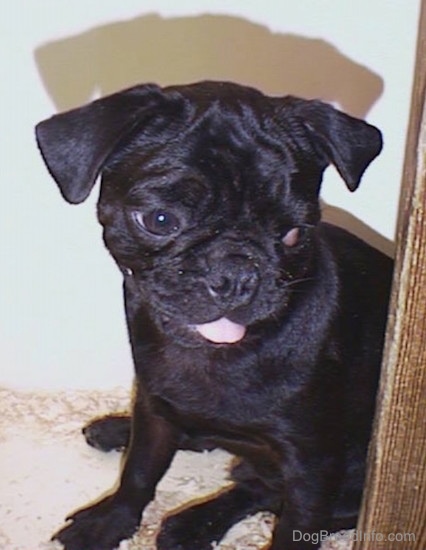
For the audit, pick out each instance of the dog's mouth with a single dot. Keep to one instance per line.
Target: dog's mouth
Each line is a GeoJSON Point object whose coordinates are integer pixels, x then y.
{"type": "Point", "coordinates": [221, 331]}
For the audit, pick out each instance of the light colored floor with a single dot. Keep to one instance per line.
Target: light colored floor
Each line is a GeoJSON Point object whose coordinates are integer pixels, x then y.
{"type": "Point", "coordinates": [47, 470]}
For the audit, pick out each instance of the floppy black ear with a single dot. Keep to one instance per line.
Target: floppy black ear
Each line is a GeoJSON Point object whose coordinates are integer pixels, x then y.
{"type": "Point", "coordinates": [75, 145]}
{"type": "Point", "coordinates": [350, 144]}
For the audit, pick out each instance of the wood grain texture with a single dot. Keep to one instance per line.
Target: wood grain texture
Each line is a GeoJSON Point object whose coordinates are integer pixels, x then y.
{"type": "Point", "coordinates": [394, 503]}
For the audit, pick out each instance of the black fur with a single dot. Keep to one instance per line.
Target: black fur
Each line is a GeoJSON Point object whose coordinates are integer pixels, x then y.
{"type": "Point", "coordinates": [209, 203]}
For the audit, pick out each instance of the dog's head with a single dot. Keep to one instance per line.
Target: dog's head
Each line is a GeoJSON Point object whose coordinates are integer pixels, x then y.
{"type": "Point", "coordinates": [209, 195]}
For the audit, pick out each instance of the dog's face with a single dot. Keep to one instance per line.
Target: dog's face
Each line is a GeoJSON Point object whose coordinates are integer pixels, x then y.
{"type": "Point", "coordinates": [209, 196]}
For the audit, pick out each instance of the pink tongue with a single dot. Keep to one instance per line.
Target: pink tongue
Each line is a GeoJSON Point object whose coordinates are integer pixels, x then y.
{"type": "Point", "coordinates": [222, 331]}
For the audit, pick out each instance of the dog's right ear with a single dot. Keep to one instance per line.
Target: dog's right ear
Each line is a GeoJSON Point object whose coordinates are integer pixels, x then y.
{"type": "Point", "coordinates": [76, 145]}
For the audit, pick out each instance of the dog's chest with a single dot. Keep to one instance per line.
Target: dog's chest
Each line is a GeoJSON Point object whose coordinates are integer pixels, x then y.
{"type": "Point", "coordinates": [212, 391]}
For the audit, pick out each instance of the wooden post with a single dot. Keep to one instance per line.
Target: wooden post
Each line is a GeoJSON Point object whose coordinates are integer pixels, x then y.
{"type": "Point", "coordinates": [394, 504]}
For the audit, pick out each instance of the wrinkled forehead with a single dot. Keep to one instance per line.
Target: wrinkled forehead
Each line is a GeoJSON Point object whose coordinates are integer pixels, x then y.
{"type": "Point", "coordinates": [216, 139]}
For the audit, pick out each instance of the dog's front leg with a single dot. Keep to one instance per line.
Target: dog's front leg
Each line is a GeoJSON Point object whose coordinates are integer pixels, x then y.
{"type": "Point", "coordinates": [103, 525]}
{"type": "Point", "coordinates": [306, 512]}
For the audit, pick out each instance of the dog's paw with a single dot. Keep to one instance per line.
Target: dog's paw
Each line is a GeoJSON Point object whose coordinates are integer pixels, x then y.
{"type": "Point", "coordinates": [109, 433]}
{"type": "Point", "coordinates": [190, 530]}
{"type": "Point", "coordinates": [99, 527]}
{"type": "Point", "coordinates": [176, 534]}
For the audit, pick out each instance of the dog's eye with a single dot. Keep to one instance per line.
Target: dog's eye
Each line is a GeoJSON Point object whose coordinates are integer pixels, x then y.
{"type": "Point", "coordinates": [158, 222]}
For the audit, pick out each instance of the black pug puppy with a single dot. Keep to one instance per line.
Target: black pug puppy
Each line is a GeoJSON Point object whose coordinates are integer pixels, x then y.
{"type": "Point", "coordinates": [253, 326]}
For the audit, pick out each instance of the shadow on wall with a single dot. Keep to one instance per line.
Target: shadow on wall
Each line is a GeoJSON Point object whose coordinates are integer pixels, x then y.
{"type": "Point", "coordinates": [187, 49]}
{"type": "Point", "coordinates": [181, 50]}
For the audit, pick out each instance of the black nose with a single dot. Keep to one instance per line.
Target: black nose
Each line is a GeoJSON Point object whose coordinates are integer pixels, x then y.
{"type": "Point", "coordinates": [233, 278]}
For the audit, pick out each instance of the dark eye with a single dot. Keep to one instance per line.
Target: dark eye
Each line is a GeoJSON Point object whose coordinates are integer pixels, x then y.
{"type": "Point", "coordinates": [158, 222]}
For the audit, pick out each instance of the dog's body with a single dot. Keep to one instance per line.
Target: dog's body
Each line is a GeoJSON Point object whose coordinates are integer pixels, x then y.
{"type": "Point", "coordinates": [254, 327]}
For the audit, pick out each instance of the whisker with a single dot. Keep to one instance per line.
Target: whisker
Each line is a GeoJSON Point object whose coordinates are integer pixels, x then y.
{"type": "Point", "coordinates": [297, 281]}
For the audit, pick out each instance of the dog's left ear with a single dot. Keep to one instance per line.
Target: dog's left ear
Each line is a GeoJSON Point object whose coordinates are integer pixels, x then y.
{"type": "Point", "coordinates": [350, 144]}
